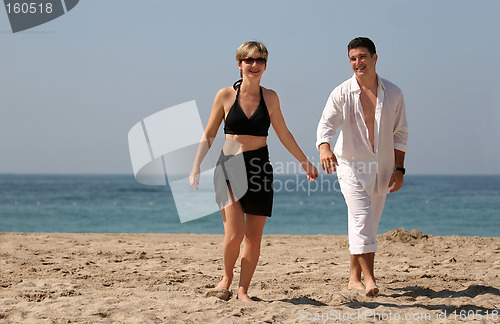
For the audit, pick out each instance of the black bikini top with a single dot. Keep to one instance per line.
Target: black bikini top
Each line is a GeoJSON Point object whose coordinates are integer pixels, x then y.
{"type": "Point", "coordinates": [238, 123]}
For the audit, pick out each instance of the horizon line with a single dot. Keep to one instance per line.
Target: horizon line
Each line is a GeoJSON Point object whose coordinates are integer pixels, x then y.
{"type": "Point", "coordinates": [299, 173]}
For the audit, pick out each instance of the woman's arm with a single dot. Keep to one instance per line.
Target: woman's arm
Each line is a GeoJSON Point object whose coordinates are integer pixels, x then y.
{"type": "Point", "coordinates": [286, 137]}
{"type": "Point", "coordinates": [214, 121]}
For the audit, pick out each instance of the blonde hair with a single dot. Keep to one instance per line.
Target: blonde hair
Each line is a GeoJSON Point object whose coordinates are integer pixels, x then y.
{"type": "Point", "coordinates": [248, 48]}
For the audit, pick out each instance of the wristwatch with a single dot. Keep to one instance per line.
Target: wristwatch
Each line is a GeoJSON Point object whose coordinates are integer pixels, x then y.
{"type": "Point", "coordinates": [403, 170]}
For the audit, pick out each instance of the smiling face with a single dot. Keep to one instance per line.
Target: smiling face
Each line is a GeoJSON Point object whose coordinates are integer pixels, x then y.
{"type": "Point", "coordinates": [251, 50]}
{"type": "Point", "coordinates": [253, 65]}
{"type": "Point", "coordinates": [362, 62]}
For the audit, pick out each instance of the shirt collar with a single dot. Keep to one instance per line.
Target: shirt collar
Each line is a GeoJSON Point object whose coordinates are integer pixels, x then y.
{"type": "Point", "coordinates": [355, 85]}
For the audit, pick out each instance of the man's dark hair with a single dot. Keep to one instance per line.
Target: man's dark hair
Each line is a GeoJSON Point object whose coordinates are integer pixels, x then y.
{"type": "Point", "coordinates": [362, 42]}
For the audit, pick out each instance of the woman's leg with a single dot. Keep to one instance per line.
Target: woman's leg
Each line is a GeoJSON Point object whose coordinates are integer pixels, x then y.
{"type": "Point", "coordinates": [234, 231]}
{"type": "Point", "coordinates": [251, 252]}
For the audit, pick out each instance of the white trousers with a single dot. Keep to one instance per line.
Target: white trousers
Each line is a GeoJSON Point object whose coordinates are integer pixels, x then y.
{"type": "Point", "coordinates": [363, 213]}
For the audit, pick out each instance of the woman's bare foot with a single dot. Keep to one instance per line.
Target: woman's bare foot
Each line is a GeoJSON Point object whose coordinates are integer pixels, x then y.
{"type": "Point", "coordinates": [243, 296]}
{"type": "Point", "coordinates": [223, 294]}
{"type": "Point", "coordinates": [221, 291]}
{"type": "Point", "coordinates": [225, 283]}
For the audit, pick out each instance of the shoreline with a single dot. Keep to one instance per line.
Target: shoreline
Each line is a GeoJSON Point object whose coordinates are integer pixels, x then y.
{"type": "Point", "coordinates": [156, 278]}
{"type": "Point", "coordinates": [222, 235]}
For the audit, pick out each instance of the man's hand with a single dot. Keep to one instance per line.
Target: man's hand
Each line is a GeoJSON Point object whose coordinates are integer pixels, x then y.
{"type": "Point", "coordinates": [328, 159]}
{"type": "Point", "coordinates": [396, 181]}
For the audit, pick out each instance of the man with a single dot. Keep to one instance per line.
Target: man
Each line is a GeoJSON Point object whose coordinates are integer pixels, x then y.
{"type": "Point", "coordinates": [368, 155]}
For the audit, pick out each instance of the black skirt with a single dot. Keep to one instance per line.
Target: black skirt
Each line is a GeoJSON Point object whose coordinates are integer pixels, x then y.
{"type": "Point", "coordinates": [248, 177]}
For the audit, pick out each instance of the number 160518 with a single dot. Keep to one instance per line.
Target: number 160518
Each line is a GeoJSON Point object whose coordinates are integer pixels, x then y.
{"type": "Point", "coordinates": [29, 8]}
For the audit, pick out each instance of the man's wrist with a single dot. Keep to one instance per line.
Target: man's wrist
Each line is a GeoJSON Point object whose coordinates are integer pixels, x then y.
{"type": "Point", "coordinates": [324, 146]}
{"type": "Point", "coordinates": [402, 170]}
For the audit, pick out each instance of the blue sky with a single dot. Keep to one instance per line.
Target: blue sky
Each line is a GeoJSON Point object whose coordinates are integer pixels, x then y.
{"type": "Point", "coordinates": [71, 89]}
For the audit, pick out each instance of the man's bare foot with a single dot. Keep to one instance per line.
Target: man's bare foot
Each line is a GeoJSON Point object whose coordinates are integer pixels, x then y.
{"type": "Point", "coordinates": [356, 285]}
{"type": "Point", "coordinates": [371, 291]}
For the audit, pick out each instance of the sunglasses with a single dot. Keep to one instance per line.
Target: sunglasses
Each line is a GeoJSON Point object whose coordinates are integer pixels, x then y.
{"type": "Point", "coordinates": [250, 61]}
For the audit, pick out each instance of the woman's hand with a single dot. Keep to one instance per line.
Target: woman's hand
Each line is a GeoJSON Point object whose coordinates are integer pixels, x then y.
{"type": "Point", "coordinates": [194, 177]}
{"type": "Point", "coordinates": [311, 171]}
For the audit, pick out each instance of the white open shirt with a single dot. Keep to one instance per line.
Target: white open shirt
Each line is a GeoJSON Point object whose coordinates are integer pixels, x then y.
{"type": "Point", "coordinates": [372, 168]}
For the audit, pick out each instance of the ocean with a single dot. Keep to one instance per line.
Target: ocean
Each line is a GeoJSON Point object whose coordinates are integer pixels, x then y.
{"type": "Point", "coordinates": [436, 205]}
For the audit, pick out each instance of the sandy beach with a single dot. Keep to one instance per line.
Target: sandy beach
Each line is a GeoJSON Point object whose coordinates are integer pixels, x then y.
{"type": "Point", "coordinates": [162, 278]}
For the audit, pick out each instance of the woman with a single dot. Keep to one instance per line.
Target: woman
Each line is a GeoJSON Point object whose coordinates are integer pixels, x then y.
{"type": "Point", "coordinates": [247, 110]}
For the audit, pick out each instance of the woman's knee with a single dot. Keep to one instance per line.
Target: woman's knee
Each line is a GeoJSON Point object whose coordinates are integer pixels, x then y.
{"type": "Point", "coordinates": [234, 238]}
{"type": "Point", "coordinates": [253, 239]}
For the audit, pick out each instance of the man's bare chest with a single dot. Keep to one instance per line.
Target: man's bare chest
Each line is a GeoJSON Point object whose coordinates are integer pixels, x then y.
{"type": "Point", "coordinates": [368, 102]}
